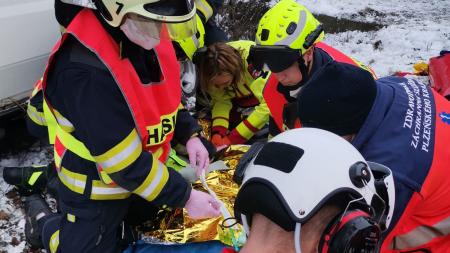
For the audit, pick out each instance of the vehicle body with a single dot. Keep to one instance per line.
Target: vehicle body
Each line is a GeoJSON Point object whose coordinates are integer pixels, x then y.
{"type": "Point", "coordinates": [29, 31]}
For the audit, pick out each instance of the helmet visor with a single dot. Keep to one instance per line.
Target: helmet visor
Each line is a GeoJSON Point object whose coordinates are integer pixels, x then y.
{"type": "Point", "coordinates": [277, 58]}
{"type": "Point", "coordinates": [170, 8]}
{"type": "Point", "coordinates": [161, 30]}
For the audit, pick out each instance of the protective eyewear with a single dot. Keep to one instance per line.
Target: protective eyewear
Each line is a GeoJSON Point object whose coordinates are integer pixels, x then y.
{"type": "Point", "coordinates": [274, 58]}
{"type": "Point", "coordinates": [162, 30]}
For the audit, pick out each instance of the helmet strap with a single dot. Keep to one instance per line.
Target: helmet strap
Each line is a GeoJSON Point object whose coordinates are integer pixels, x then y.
{"type": "Point", "coordinates": [297, 238]}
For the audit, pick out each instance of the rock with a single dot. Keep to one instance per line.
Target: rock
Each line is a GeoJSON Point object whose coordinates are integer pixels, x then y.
{"type": "Point", "coordinates": [4, 215]}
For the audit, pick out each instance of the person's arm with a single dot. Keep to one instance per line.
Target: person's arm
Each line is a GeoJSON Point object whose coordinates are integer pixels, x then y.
{"type": "Point", "coordinates": [185, 127]}
{"type": "Point", "coordinates": [256, 120]}
{"type": "Point", "coordinates": [35, 120]}
{"type": "Point", "coordinates": [103, 122]}
{"type": "Point", "coordinates": [221, 107]}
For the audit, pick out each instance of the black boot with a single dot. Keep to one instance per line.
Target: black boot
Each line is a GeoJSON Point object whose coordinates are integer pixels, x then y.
{"type": "Point", "coordinates": [36, 209]}
{"type": "Point", "coordinates": [28, 180]}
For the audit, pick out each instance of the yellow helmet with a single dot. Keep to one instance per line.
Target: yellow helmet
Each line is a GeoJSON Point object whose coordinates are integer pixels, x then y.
{"type": "Point", "coordinates": [196, 41]}
{"type": "Point", "coordinates": [289, 23]}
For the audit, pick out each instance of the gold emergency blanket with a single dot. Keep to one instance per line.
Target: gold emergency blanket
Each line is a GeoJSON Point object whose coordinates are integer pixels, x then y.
{"type": "Point", "coordinates": [176, 226]}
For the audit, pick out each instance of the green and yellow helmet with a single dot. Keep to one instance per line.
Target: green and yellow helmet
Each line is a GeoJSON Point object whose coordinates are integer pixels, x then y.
{"type": "Point", "coordinates": [289, 23]}
{"type": "Point", "coordinates": [191, 44]}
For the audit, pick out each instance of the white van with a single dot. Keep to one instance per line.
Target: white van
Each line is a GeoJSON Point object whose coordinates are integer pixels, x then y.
{"type": "Point", "coordinates": [28, 31]}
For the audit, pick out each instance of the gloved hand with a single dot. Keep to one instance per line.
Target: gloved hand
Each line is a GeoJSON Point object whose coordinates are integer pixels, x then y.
{"type": "Point", "coordinates": [201, 205]}
{"type": "Point", "coordinates": [198, 155]}
{"type": "Point", "coordinates": [188, 77]}
{"type": "Point", "coordinates": [218, 140]}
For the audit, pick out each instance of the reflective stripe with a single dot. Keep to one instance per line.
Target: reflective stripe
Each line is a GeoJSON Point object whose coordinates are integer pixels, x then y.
{"type": "Point", "coordinates": [72, 144]}
{"type": "Point", "coordinates": [101, 191]}
{"type": "Point", "coordinates": [51, 123]}
{"type": "Point", "coordinates": [122, 155]}
{"type": "Point", "coordinates": [246, 130]}
{"type": "Point", "coordinates": [71, 217]}
{"type": "Point", "coordinates": [421, 235]}
{"type": "Point", "coordinates": [74, 181]}
{"type": "Point", "coordinates": [204, 7]}
{"type": "Point", "coordinates": [36, 116]}
{"type": "Point", "coordinates": [154, 182]}
{"type": "Point", "coordinates": [64, 123]}
{"type": "Point", "coordinates": [34, 177]}
{"type": "Point", "coordinates": [221, 122]}
{"type": "Point", "coordinates": [54, 242]}
{"type": "Point", "coordinates": [294, 36]}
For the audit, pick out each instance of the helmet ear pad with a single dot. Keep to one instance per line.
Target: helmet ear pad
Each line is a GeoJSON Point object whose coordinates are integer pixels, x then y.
{"type": "Point", "coordinates": [352, 231]}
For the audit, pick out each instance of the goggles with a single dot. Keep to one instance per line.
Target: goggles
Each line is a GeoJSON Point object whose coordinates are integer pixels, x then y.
{"type": "Point", "coordinates": [162, 30]}
{"type": "Point", "coordinates": [274, 58]}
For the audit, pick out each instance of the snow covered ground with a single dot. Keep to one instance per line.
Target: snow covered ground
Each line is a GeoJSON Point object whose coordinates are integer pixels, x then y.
{"type": "Point", "coordinates": [413, 31]}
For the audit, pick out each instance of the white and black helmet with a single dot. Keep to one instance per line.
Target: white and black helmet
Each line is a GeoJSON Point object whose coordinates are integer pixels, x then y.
{"type": "Point", "coordinates": [299, 171]}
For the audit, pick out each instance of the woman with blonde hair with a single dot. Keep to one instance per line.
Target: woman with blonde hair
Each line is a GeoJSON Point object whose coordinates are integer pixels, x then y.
{"type": "Point", "coordinates": [238, 107]}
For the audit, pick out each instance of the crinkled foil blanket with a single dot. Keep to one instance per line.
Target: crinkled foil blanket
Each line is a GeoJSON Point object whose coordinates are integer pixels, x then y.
{"type": "Point", "coordinates": [177, 227]}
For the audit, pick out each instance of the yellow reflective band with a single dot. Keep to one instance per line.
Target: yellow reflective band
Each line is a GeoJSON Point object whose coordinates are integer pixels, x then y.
{"type": "Point", "coordinates": [71, 217]}
{"type": "Point", "coordinates": [51, 123]}
{"type": "Point", "coordinates": [74, 181]}
{"type": "Point", "coordinates": [244, 131]}
{"type": "Point", "coordinates": [154, 182]}
{"type": "Point", "coordinates": [37, 88]}
{"type": "Point", "coordinates": [64, 123]}
{"type": "Point", "coordinates": [101, 191]}
{"type": "Point", "coordinates": [74, 145]}
{"type": "Point", "coordinates": [34, 177]}
{"type": "Point", "coordinates": [122, 155]}
{"type": "Point", "coordinates": [158, 133]}
{"type": "Point", "coordinates": [220, 122]}
{"type": "Point", "coordinates": [105, 177]}
{"type": "Point", "coordinates": [204, 7]}
{"type": "Point", "coordinates": [57, 158]}
{"type": "Point", "coordinates": [36, 116]}
{"type": "Point", "coordinates": [54, 242]}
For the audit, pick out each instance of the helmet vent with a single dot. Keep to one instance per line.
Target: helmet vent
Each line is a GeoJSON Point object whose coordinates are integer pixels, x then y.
{"type": "Point", "coordinates": [287, 156]}
{"type": "Point", "coordinates": [264, 34]}
{"type": "Point", "coordinates": [291, 28]}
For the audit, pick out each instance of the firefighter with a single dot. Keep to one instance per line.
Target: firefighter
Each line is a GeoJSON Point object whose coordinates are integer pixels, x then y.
{"type": "Point", "coordinates": [309, 190]}
{"type": "Point", "coordinates": [112, 85]}
{"type": "Point", "coordinates": [289, 43]}
{"type": "Point", "coordinates": [238, 108]}
{"type": "Point", "coordinates": [401, 123]}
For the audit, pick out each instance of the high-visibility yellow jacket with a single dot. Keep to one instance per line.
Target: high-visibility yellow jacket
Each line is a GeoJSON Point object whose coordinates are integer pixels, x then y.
{"type": "Point", "coordinates": [248, 94]}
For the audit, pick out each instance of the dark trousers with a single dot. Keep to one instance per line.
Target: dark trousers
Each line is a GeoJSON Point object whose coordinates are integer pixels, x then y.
{"type": "Point", "coordinates": [94, 226]}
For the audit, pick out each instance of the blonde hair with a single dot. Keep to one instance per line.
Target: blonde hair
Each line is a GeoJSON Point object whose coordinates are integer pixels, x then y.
{"type": "Point", "coordinates": [221, 58]}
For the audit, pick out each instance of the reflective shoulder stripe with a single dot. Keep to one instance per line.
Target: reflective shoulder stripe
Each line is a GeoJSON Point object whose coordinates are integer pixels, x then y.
{"type": "Point", "coordinates": [204, 7]}
{"type": "Point", "coordinates": [154, 182]}
{"type": "Point", "coordinates": [421, 235]}
{"type": "Point", "coordinates": [74, 145]}
{"type": "Point", "coordinates": [54, 242]}
{"type": "Point", "coordinates": [36, 116]}
{"type": "Point", "coordinates": [51, 123]}
{"type": "Point", "coordinates": [64, 123]}
{"type": "Point", "coordinates": [121, 155]}
{"type": "Point", "coordinates": [74, 181]}
{"type": "Point", "coordinates": [101, 191]}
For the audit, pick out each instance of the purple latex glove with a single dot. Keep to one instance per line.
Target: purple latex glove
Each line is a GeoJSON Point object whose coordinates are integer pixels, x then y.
{"type": "Point", "coordinates": [198, 155]}
{"type": "Point", "coordinates": [201, 205]}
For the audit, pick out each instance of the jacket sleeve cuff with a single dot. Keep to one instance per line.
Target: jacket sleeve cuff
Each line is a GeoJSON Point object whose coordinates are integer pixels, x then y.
{"type": "Point", "coordinates": [222, 131]}
{"type": "Point", "coordinates": [236, 138]}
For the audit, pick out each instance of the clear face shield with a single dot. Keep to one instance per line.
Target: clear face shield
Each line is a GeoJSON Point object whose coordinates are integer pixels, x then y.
{"type": "Point", "coordinates": [148, 32]}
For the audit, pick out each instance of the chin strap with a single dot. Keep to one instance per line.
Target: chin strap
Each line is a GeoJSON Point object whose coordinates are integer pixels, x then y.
{"type": "Point", "coordinates": [297, 238]}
